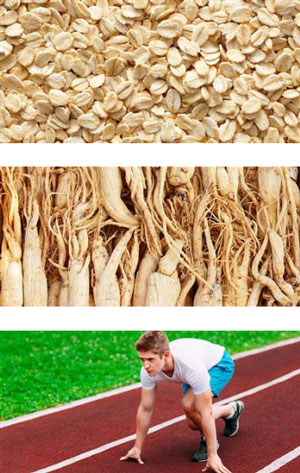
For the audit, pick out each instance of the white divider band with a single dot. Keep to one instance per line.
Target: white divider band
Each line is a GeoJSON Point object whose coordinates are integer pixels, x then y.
{"type": "Point", "coordinates": [277, 464]}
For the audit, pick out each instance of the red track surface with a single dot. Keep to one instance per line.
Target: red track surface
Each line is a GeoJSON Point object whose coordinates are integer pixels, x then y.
{"type": "Point", "coordinates": [269, 427]}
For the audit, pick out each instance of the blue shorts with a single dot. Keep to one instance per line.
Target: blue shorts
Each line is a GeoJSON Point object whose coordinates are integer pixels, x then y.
{"type": "Point", "coordinates": [220, 375]}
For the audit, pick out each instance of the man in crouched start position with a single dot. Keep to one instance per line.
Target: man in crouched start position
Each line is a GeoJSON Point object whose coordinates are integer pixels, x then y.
{"type": "Point", "coordinates": [204, 369]}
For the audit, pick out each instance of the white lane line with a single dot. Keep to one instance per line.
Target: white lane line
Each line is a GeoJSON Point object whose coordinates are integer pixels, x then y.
{"type": "Point", "coordinates": [255, 351]}
{"type": "Point", "coordinates": [69, 405]}
{"type": "Point", "coordinates": [114, 392]}
{"type": "Point", "coordinates": [261, 387]}
{"type": "Point", "coordinates": [163, 425]}
{"type": "Point", "coordinates": [107, 446]}
{"type": "Point", "coordinates": [277, 464]}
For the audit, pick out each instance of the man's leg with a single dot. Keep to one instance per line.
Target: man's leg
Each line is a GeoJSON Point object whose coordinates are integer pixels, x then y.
{"type": "Point", "coordinates": [192, 415]}
{"type": "Point", "coordinates": [194, 422]}
{"type": "Point", "coordinates": [220, 376]}
{"type": "Point", "coordinates": [230, 413]}
{"type": "Point", "coordinates": [223, 411]}
{"type": "Point", "coordinates": [188, 404]}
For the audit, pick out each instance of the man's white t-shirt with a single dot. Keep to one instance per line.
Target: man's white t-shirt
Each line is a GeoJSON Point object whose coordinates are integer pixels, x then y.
{"type": "Point", "coordinates": [192, 360]}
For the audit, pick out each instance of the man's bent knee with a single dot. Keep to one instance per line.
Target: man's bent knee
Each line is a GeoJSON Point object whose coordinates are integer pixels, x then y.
{"type": "Point", "coordinates": [191, 424]}
{"type": "Point", "coordinates": [188, 408]}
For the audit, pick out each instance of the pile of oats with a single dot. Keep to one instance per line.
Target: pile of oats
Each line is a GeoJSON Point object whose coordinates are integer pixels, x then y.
{"type": "Point", "coordinates": [150, 71]}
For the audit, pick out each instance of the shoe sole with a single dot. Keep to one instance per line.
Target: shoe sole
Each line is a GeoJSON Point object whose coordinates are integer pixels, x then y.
{"type": "Point", "coordinates": [204, 459]}
{"type": "Point", "coordinates": [241, 404]}
{"type": "Point", "coordinates": [199, 461]}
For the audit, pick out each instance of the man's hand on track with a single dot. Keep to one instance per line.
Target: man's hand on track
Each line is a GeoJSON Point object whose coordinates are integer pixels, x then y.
{"type": "Point", "coordinates": [215, 464]}
{"type": "Point", "coordinates": [134, 453]}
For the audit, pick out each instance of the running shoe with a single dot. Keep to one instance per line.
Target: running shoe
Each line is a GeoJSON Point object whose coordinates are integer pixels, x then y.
{"type": "Point", "coordinates": [232, 425]}
{"type": "Point", "coordinates": [201, 454]}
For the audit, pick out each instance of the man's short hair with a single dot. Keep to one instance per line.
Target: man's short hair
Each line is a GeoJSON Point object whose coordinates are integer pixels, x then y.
{"type": "Point", "coordinates": [155, 341]}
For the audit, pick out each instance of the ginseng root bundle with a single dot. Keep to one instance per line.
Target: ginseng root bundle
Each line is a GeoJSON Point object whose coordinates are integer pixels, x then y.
{"type": "Point", "coordinates": [149, 236]}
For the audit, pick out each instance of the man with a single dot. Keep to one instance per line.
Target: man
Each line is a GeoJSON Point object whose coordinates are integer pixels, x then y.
{"type": "Point", "coordinates": [204, 369]}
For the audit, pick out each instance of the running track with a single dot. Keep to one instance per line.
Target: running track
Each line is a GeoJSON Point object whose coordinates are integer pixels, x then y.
{"type": "Point", "coordinates": [269, 428]}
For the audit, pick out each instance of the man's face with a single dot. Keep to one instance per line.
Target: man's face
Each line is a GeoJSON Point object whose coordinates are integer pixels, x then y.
{"type": "Point", "coordinates": [152, 362]}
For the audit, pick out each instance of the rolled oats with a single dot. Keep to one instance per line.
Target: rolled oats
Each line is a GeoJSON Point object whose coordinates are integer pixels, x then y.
{"type": "Point", "coordinates": [243, 34]}
{"type": "Point", "coordinates": [272, 83]}
{"type": "Point", "coordinates": [262, 121]}
{"type": "Point", "coordinates": [178, 71]}
{"type": "Point", "coordinates": [30, 22]}
{"type": "Point", "coordinates": [200, 34]}
{"type": "Point", "coordinates": [291, 94]}
{"type": "Point", "coordinates": [173, 100]}
{"type": "Point", "coordinates": [14, 31]}
{"type": "Point", "coordinates": [158, 47]}
{"type": "Point", "coordinates": [293, 133]}
{"type": "Point", "coordinates": [95, 13]}
{"type": "Point", "coordinates": [235, 55]}
{"type": "Point", "coordinates": [58, 97]}
{"type": "Point", "coordinates": [267, 18]}
{"type": "Point", "coordinates": [174, 57]}
{"type": "Point", "coordinates": [265, 69]}
{"type": "Point", "coordinates": [283, 62]}
{"type": "Point", "coordinates": [221, 84]}
{"type": "Point", "coordinates": [159, 87]}
{"type": "Point", "coordinates": [159, 71]}
{"type": "Point", "coordinates": [8, 17]}
{"type": "Point", "coordinates": [63, 41]}
{"type": "Point", "coordinates": [97, 81]}
{"type": "Point", "coordinates": [144, 71]}
{"type": "Point", "coordinates": [169, 29]}
{"type": "Point", "coordinates": [5, 49]}
{"type": "Point", "coordinates": [141, 55]}
{"type": "Point", "coordinates": [202, 68]}
{"type": "Point", "coordinates": [188, 47]}
{"type": "Point", "coordinates": [251, 106]}
{"type": "Point", "coordinates": [192, 80]}
{"type": "Point", "coordinates": [56, 81]}
{"type": "Point", "coordinates": [89, 121]}
{"type": "Point", "coordinates": [240, 14]}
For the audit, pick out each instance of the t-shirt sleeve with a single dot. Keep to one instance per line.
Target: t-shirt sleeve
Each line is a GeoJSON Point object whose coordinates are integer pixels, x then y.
{"type": "Point", "coordinates": [147, 382]}
{"type": "Point", "coordinates": [198, 378]}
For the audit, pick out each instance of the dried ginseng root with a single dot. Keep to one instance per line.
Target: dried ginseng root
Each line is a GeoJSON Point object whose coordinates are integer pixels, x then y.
{"type": "Point", "coordinates": [84, 216]}
{"type": "Point", "coordinates": [79, 270]}
{"type": "Point", "coordinates": [128, 266]}
{"type": "Point", "coordinates": [62, 286]}
{"type": "Point", "coordinates": [269, 186]}
{"type": "Point", "coordinates": [111, 188]}
{"type": "Point", "coordinates": [11, 249]}
{"type": "Point", "coordinates": [209, 294]}
{"type": "Point", "coordinates": [136, 183]}
{"type": "Point", "coordinates": [148, 265]}
{"type": "Point", "coordinates": [267, 281]}
{"type": "Point", "coordinates": [155, 236]}
{"type": "Point", "coordinates": [163, 287]}
{"type": "Point", "coordinates": [106, 286]}
{"type": "Point", "coordinates": [35, 281]}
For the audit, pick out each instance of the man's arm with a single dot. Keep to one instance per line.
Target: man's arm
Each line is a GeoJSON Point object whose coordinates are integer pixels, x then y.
{"type": "Point", "coordinates": [144, 415]}
{"type": "Point", "coordinates": [143, 422]}
{"type": "Point", "coordinates": [203, 404]}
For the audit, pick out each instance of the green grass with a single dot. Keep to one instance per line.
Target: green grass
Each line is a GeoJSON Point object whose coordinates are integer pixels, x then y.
{"type": "Point", "coordinates": [43, 369]}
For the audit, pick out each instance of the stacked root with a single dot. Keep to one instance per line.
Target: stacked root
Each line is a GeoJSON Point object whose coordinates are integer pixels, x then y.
{"type": "Point", "coordinates": [135, 236]}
